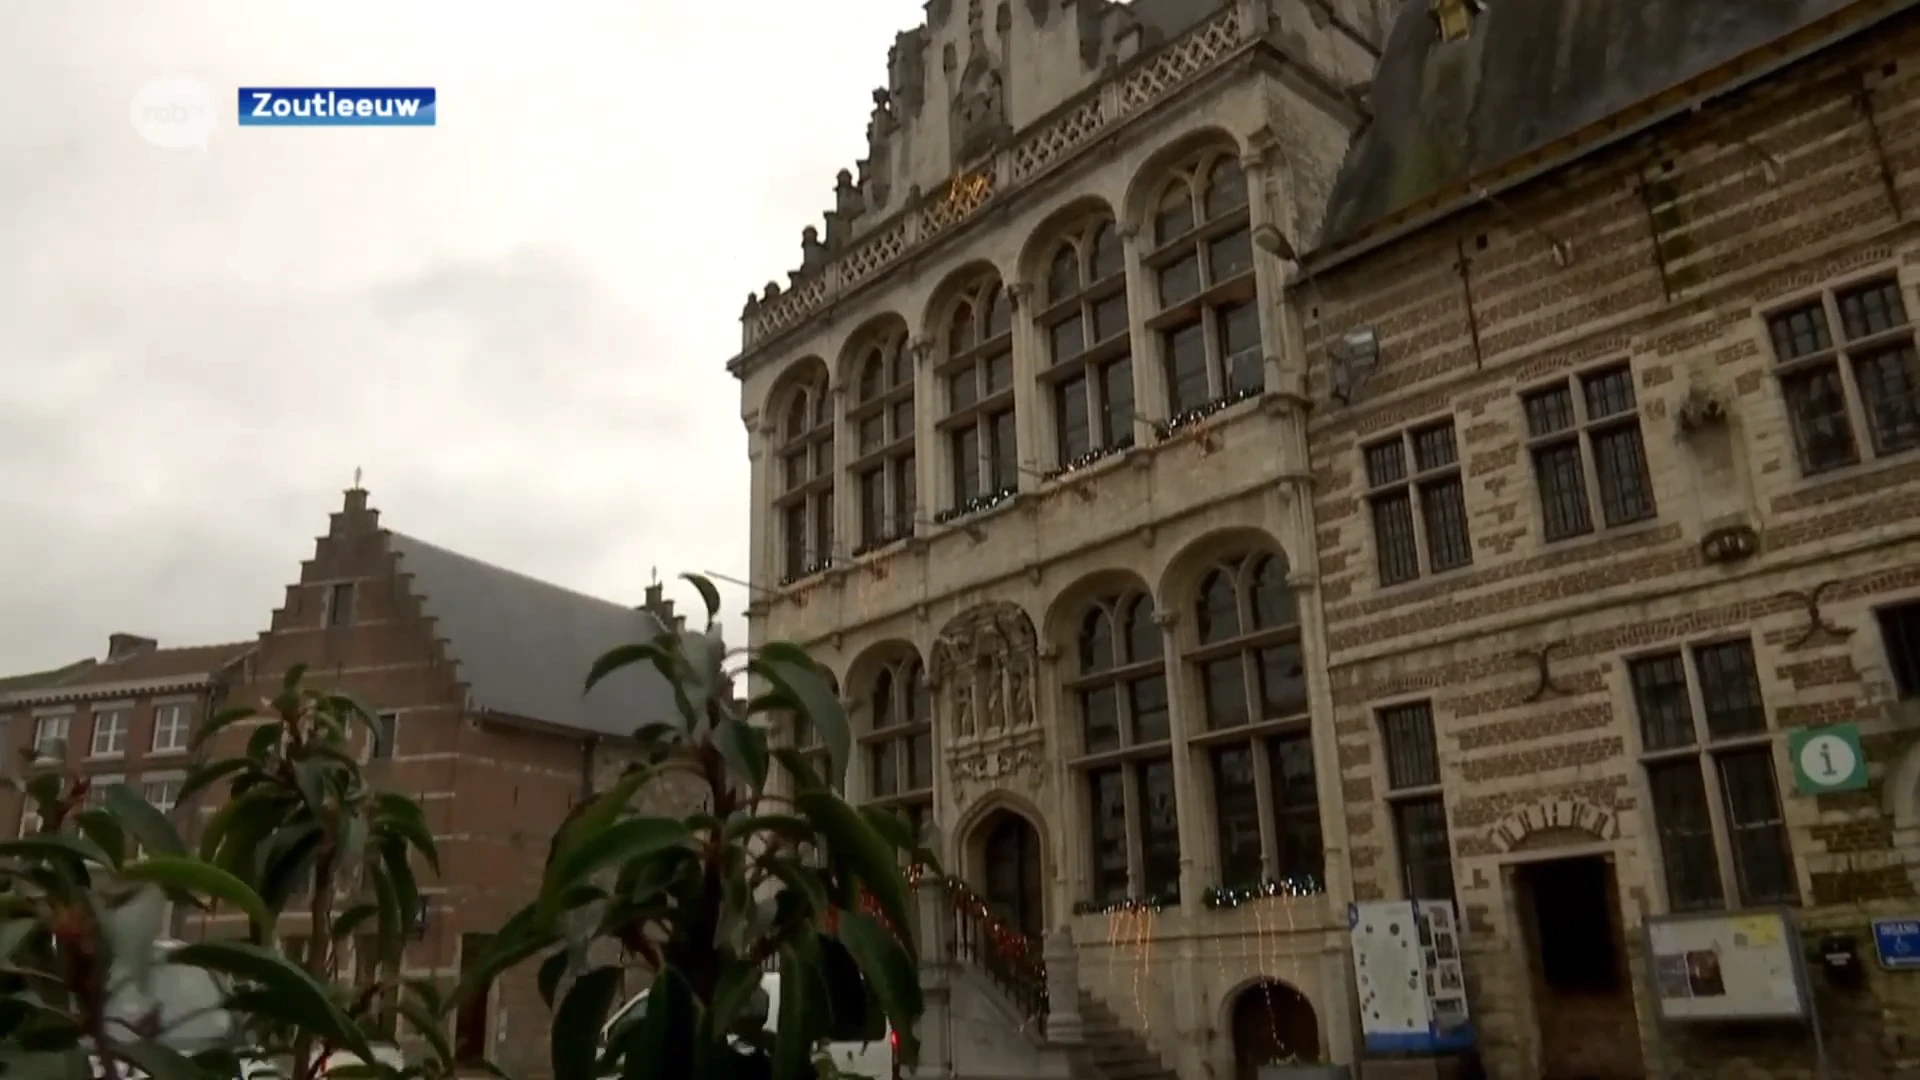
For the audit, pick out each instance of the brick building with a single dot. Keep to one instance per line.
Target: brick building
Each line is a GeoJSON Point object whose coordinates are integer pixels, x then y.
{"type": "Point", "coordinates": [127, 718]}
{"type": "Point", "coordinates": [1440, 449]}
{"type": "Point", "coordinates": [476, 674]}
{"type": "Point", "coordinates": [1616, 463]}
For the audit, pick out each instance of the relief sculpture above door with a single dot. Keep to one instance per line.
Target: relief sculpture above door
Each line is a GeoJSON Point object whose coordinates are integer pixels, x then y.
{"type": "Point", "coordinates": [985, 677]}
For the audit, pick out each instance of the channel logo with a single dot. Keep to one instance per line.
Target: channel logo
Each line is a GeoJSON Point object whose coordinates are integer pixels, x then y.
{"type": "Point", "coordinates": [337, 106]}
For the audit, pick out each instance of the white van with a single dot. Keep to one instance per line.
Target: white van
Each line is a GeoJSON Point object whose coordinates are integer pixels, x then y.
{"type": "Point", "coordinates": [874, 1059]}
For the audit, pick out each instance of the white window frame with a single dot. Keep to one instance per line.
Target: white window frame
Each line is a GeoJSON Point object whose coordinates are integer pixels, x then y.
{"type": "Point", "coordinates": [44, 732]}
{"type": "Point", "coordinates": [150, 781]}
{"type": "Point", "coordinates": [118, 733]}
{"type": "Point", "coordinates": [97, 788]}
{"type": "Point", "coordinates": [172, 716]}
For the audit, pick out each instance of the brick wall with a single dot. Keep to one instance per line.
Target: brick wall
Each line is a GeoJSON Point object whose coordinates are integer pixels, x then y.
{"type": "Point", "coordinates": [1671, 253]}
{"type": "Point", "coordinates": [494, 794]}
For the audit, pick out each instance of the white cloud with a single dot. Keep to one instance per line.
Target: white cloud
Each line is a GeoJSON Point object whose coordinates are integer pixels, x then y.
{"type": "Point", "coordinates": [515, 322]}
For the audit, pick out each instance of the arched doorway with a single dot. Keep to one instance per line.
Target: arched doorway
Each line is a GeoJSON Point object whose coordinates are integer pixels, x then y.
{"type": "Point", "coordinates": [1272, 1022]}
{"type": "Point", "coordinates": [1010, 859]}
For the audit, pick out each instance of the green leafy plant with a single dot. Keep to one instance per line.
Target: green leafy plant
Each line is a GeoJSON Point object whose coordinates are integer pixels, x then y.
{"type": "Point", "coordinates": [89, 984]}
{"type": "Point", "coordinates": [764, 875]}
{"type": "Point", "coordinates": [303, 826]}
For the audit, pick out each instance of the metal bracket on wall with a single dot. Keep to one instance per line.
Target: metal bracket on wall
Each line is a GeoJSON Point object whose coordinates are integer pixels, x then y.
{"type": "Point", "coordinates": [1543, 658]}
{"type": "Point", "coordinates": [1817, 619]}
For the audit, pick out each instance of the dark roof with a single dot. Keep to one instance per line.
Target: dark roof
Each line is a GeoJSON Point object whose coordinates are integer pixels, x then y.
{"type": "Point", "coordinates": [1171, 18]}
{"type": "Point", "coordinates": [194, 663]}
{"type": "Point", "coordinates": [524, 647]}
{"type": "Point", "coordinates": [1533, 71]}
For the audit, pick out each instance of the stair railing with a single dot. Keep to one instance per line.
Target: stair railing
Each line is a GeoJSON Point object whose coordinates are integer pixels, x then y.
{"type": "Point", "coordinates": [1010, 959]}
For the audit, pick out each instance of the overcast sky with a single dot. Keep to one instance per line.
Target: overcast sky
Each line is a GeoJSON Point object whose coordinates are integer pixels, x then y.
{"type": "Point", "coordinates": [515, 322]}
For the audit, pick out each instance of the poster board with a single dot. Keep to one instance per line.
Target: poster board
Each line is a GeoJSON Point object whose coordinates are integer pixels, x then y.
{"type": "Point", "coordinates": [1407, 966]}
{"type": "Point", "coordinates": [1721, 966]}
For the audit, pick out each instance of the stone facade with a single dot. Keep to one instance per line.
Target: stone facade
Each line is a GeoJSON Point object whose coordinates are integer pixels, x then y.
{"type": "Point", "coordinates": [1668, 259]}
{"type": "Point", "coordinates": [982, 594]}
{"type": "Point", "coordinates": [1064, 565]}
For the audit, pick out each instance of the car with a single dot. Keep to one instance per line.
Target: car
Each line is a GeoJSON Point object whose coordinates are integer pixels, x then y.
{"type": "Point", "coordinates": [873, 1058]}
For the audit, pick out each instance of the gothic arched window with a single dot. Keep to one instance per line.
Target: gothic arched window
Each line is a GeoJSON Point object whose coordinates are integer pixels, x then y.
{"type": "Point", "coordinates": [976, 364]}
{"type": "Point", "coordinates": [883, 422]}
{"type": "Point", "coordinates": [1089, 362]}
{"type": "Point", "coordinates": [1208, 322]}
{"type": "Point", "coordinates": [1126, 760]}
{"type": "Point", "coordinates": [804, 507]}
{"type": "Point", "coordinates": [1246, 654]}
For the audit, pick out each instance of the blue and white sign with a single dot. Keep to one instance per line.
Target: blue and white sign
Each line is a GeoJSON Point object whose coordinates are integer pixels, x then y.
{"type": "Point", "coordinates": [1898, 943]}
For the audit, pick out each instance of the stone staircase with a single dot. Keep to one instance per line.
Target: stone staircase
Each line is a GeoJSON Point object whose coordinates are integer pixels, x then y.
{"type": "Point", "coordinates": [1113, 1050]}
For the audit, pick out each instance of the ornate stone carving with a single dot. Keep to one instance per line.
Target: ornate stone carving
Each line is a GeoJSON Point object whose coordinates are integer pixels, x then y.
{"type": "Point", "coordinates": [907, 64]}
{"type": "Point", "coordinates": [1039, 9]}
{"type": "Point", "coordinates": [983, 666]}
{"type": "Point", "coordinates": [984, 673]}
{"type": "Point", "coordinates": [979, 100]}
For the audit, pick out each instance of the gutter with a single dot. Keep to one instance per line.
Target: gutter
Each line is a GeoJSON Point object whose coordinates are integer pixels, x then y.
{"type": "Point", "coordinates": [1478, 194]}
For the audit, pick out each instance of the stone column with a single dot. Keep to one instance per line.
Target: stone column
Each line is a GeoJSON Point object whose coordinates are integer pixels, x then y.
{"type": "Point", "coordinates": [1149, 379]}
{"type": "Point", "coordinates": [1029, 405]}
{"type": "Point", "coordinates": [1269, 275]}
{"type": "Point", "coordinates": [846, 504]}
{"type": "Point", "coordinates": [936, 987]}
{"type": "Point", "coordinates": [1192, 836]}
{"type": "Point", "coordinates": [762, 567]}
{"type": "Point", "coordinates": [928, 455]}
{"type": "Point", "coordinates": [1069, 822]}
{"type": "Point", "coordinates": [1063, 987]}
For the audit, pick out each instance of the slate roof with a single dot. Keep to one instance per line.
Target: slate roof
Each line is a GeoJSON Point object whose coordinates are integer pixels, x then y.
{"type": "Point", "coordinates": [524, 646]}
{"type": "Point", "coordinates": [1171, 18]}
{"type": "Point", "coordinates": [1532, 72]}
{"type": "Point", "coordinates": [187, 665]}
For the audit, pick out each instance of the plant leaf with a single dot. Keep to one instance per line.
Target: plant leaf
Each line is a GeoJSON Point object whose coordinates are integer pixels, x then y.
{"type": "Point", "coordinates": [889, 971]}
{"type": "Point", "coordinates": [552, 970]}
{"type": "Point", "coordinates": [52, 845]}
{"type": "Point", "coordinates": [796, 676]}
{"type": "Point", "coordinates": [100, 827]}
{"type": "Point", "coordinates": [623, 656]}
{"type": "Point", "coordinates": [632, 839]}
{"type": "Point", "coordinates": [709, 595]}
{"type": "Point", "coordinates": [208, 775]}
{"type": "Point", "coordinates": [854, 842]}
{"type": "Point", "coordinates": [745, 748]}
{"type": "Point", "coordinates": [144, 822]}
{"type": "Point", "coordinates": [181, 873]}
{"type": "Point", "coordinates": [403, 817]}
{"type": "Point", "coordinates": [220, 721]}
{"type": "Point", "coordinates": [160, 1063]}
{"type": "Point", "coordinates": [576, 1026]}
{"type": "Point", "coordinates": [292, 994]}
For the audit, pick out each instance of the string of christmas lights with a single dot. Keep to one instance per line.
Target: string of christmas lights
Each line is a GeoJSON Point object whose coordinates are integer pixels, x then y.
{"type": "Point", "coordinates": [1081, 461]}
{"type": "Point", "coordinates": [1155, 903]}
{"type": "Point", "coordinates": [976, 505]}
{"type": "Point", "coordinates": [1181, 421]}
{"type": "Point", "coordinates": [1228, 897]}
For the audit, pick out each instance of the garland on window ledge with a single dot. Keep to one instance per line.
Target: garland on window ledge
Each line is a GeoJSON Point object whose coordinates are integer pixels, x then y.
{"type": "Point", "coordinates": [1084, 460]}
{"type": "Point", "coordinates": [819, 566]}
{"type": "Point", "coordinates": [1179, 422]}
{"type": "Point", "coordinates": [1154, 903]}
{"type": "Point", "coordinates": [1228, 897]}
{"type": "Point", "coordinates": [879, 542]}
{"type": "Point", "coordinates": [976, 504]}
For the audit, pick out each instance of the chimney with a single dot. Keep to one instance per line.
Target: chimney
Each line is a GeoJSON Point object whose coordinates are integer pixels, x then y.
{"type": "Point", "coordinates": [127, 646]}
{"type": "Point", "coordinates": [661, 608]}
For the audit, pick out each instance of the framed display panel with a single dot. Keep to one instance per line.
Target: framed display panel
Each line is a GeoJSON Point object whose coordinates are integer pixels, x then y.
{"type": "Point", "coordinates": [1721, 966]}
{"type": "Point", "coordinates": [1411, 980]}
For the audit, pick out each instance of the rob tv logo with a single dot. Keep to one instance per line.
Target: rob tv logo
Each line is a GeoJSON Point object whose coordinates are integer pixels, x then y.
{"type": "Point", "coordinates": [337, 106]}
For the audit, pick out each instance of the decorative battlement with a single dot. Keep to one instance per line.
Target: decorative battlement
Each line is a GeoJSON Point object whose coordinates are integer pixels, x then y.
{"type": "Point", "coordinates": [848, 257]}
